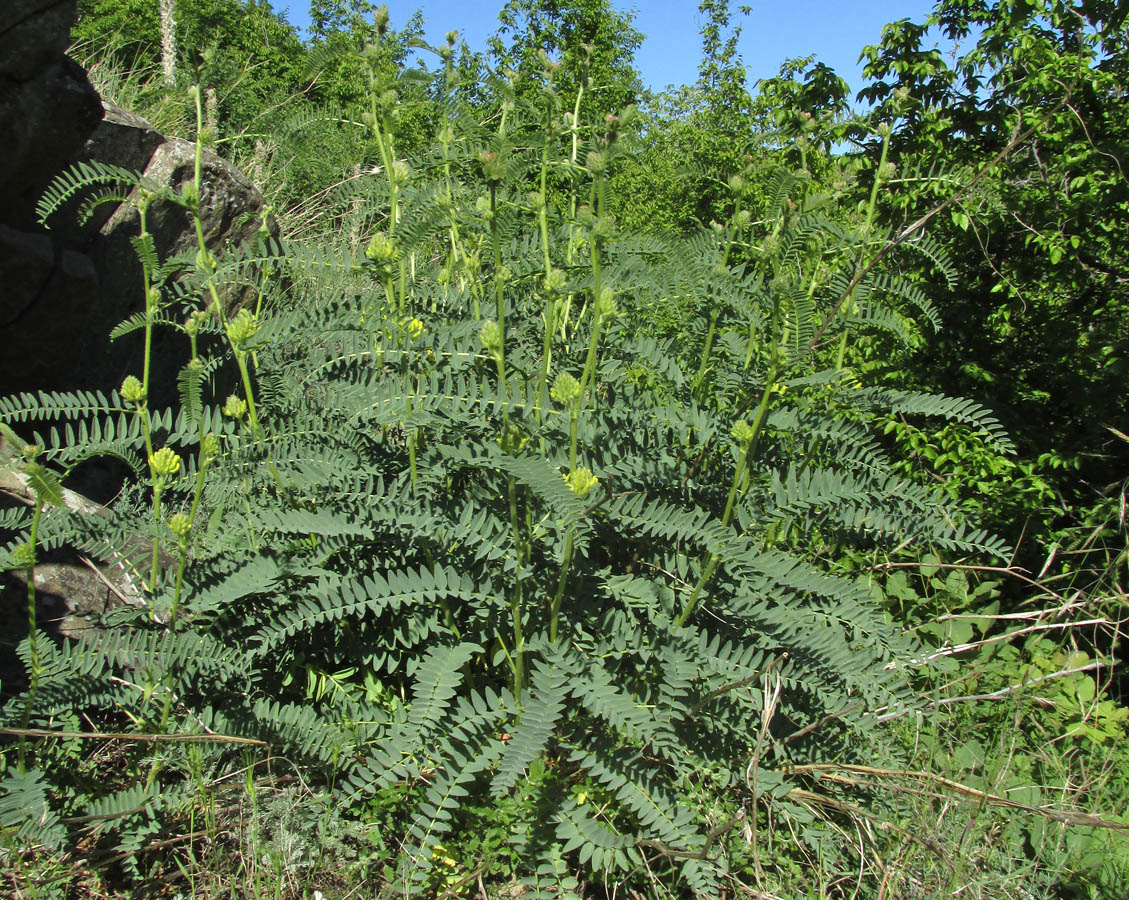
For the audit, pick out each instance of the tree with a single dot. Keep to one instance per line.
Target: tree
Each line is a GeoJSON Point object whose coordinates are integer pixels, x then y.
{"type": "Point", "coordinates": [587, 38]}
{"type": "Point", "coordinates": [168, 40]}
{"type": "Point", "coordinates": [241, 49]}
{"type": "Point", "coordinates": [1040, 325]}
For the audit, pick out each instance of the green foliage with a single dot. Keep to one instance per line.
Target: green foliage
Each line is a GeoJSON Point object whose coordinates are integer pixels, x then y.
{"type": "Point", "coordinates": [533, 536]}
{"type": "Point", "coordinates": [1039, 327]}
{"type": "Point", "coordinates": [588, 41]}
{"type": "Point", "coordinates": [398, 509]}
{"type": "Point", "coordinates": [240, 49]}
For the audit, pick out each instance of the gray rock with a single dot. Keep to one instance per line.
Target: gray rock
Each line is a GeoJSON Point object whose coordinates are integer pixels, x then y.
{"type": "Point", "coordinates": [230, 210]}
{"type": "Point", "coordinates": [72, 590]}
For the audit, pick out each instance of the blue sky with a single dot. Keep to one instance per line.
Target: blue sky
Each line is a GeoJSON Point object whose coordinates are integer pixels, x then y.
{"type": "Point", "coordinates": [832, 31]}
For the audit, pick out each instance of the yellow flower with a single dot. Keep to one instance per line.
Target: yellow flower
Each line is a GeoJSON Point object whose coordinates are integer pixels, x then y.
{"type": "Point", "coordinates": [234, 407]}
{"type": "Point", "coordinates": [165, 462]}
{"type": "Point", "coordinates": [580, 481]}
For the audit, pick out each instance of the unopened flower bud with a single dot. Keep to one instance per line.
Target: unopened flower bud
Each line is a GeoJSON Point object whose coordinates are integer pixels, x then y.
{"type": "Point", "coordinates": [493, 169]}
{"type": "Point", "coordinates": [132, 390]}
{"type": "Point", "coordinates": [23, 556]}
{"type": "Point", "coordinates": [401, 171]}
{"type": "Point", "coordinates": [209, 450]}
{"type": "Point", "coordinates": [242, 328]}
{"type": "Point", "coordinates": [555, 281]}
{"type": "Point", "coordinates": [742, 432]}
{"type": "Point", "coordinates": [193, 322]}
{"type": "Point", "coordinates": [381, 249]}
{"type": "Point", "coordinates": [179, 525]}
{"type": "Point", "coordinates": [380, 18]}
{"type": "Point", "coordinates": [565, 389]}
{"type": "Point", "coordinates": [492, 338]}
{"type": "Point", "coordinates": [605, 302]}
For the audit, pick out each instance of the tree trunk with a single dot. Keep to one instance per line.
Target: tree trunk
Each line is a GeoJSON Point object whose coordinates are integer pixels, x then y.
{"type": "Point", "coordinates": [168, 41]}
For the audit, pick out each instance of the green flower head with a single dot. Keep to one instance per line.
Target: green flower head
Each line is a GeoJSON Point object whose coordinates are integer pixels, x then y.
{"type": "Point", "coordinates": [555, 281]}
{"type": "Point", "coordinates": [179, 525]}
{"type": "Point", "coordinates": [209, 450]}
{"type": "Point", "coordinates": [493, 167]}
{"type": "Point", "coordinates": [492, 338]}
{"type": "Point", "coordinates": [401, 171]}
{"type": "Point", "coordinates": [23, 556]}
{"type": "Point", "coordinates": [565, 389]}
{"type": "Point", "coordinates": [193, 322]}
{"type": "Point", "coordinates": [381, 248]}
{"type": "Point", "coordinates": [242, 328]}
{"type": "Point", "coordinates": [235, 407]}
{"type": "Point", "coordinates": [580, 481]}
{"type": "Point", "coordinates": [742, 432]}
{"type": "Point", "coordinates": [605, 303]}
{"type": "Point", "coordinates": [132, 390]}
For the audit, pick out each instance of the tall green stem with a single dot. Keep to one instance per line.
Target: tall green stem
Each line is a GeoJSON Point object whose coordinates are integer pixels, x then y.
{"type": "Point", "coordinates": [549, 287]}
{"type": "Point", "coordinates": [32, 635]}
{"type": "Point", "coordinates": [848, 305]}
{"type": "Point", "coordinates": [711, 562]}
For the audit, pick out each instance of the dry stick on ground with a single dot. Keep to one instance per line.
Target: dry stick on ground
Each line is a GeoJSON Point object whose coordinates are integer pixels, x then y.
{"type": "Point", "coordinates": [835, 772]}
{"type": "Point", "coordinates": [1006, 691]}
{"type": "Point", "coordinates": [137, 738]}
{"type": "Point", "coordinates": [772, 688]}
{"type": "Point", "coordinates": [804, 796]}
{"type": "Point", "coordinates": [964, 567]}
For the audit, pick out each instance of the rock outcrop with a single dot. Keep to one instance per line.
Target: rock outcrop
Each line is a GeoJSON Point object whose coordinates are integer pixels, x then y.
{"type": "Point", "coordinates": [63, 289]}
{"type": "Point", "coordinates": [47, 106]}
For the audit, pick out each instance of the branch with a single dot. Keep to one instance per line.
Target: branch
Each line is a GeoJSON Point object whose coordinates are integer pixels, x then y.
{"type": "Point", "coordinates": [137, 738]}
{"type": "Point", "coordinates": [1069, 817]}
